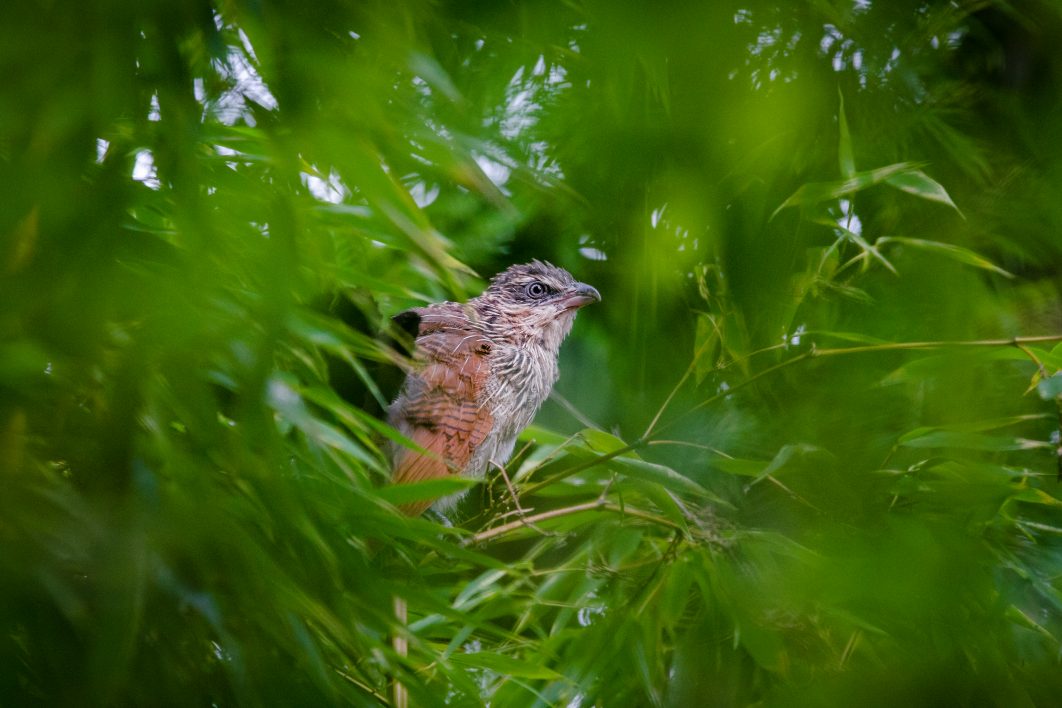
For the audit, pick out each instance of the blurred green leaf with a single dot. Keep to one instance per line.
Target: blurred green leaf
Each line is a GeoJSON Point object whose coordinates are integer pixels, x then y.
{"type": "Point", "coordinates": [916, 182]}
{"type": "Point", "coordinates": [631, 466]}
{"type": "Point", "coordinates": [845, 156]}
{"type": "Point", "coordinates": [1037, 496]}
{"type": "Point", "coordinates": [504, 665]}
{"type": "Point", "coordinates": [815, 193]}
{"type": "Point", "coordinates": [957, 253]}
{"type": "Point", "coordinates": [418, 491]}
{"type": "Point", "coordinates": [968, 440]}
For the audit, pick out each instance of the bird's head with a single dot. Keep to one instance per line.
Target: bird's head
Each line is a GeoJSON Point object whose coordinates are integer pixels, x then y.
{"type": "Point", "coordinates": [538, 299]}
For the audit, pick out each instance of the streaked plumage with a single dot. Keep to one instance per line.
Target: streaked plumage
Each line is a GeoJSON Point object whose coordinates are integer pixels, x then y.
{"type": "Point", "coordinates": [482, 369]}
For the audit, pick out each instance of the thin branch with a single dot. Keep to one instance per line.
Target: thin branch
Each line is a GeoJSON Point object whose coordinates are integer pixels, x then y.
{"type": "Point", "coordinates": [943, 344]}
{"type": "Point", "coordinates": [584, 465]}
{"type": "Point", "coordinates": [360, 684]}
{"type": "Point", "coordinates": [516, 502]}
{"type": "Point", "coordinates": [747, 357]}
{"type": "Point", "coordinates": [596, 505]}
{"type": "Point", "coordinates": [520, 453]}
{"type": "Point", "coordinates": [553, 453]}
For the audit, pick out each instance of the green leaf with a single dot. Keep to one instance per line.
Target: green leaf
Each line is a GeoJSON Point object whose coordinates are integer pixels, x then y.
{"type": "Point", "coordinates": [660, 497]}
{"type": "Point", "coordinates": [398, 494]}
{"type": "Point", "coordinates": [1037, 496]}
{"type": "Point", "coordinates": [542, 436]}
{"type": "Point", "coordinates": [427, 68]}
{"type": "Point", "coordinates": [22, 362]}
{"type": "Point", "coordinates": [740, 467]}
{"type": "Point", "coordinates": [704, 340]}
{"type": "Point", "coordinates": [846, 158]}
{"type": "Point", "coordinates": [872, 250]}
{"type": "Point", "coordinates": [935, 365]}
{"type": "Point", "coordinates": [1014, 614]}
{"type": "Point", "coordinates": [659, 474]}
{"type": "Point", "coordinates": [600, 441]}
{"type": "Point", "coordinates": [787, 454]}
{"type": "Point", "coordinates": [760, 469]}
{"type": "Point", "coordinates": [475, 591]}
{"type": "Point", "coordinates": [285, 399]}
{"type": "Point", "coordinates": [505, 665]}
{"type": "Point", "coordinates": [816, 192]}
{"type": "Point", "coordinates": [957, 253]}
{"type": "Point", "coordinates": [632, 466]}
{"type": "Point", "coordinates": [979, 426]}
{"type": "Point", "coordinates": [969, 441]}
{"type": "Point", "coordinates": [763, 644]}
{"type": "Point", "coordinates": [918, 183]}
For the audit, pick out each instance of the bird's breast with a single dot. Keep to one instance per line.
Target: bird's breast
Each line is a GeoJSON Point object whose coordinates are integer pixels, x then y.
{"type": "Point", "coordinates": [520, 380]}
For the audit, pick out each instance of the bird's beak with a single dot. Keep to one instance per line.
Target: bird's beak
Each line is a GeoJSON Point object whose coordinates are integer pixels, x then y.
{"type": "Point", "coordinates": [580, 294]}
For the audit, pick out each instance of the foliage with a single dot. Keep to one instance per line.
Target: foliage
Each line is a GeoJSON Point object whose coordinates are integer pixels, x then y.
{"type": "Point", "coordinates": [804, 452]}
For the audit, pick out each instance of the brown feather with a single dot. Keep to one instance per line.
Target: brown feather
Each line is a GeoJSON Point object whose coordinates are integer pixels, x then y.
{"type": "Point", "coordinates": [441, 408]}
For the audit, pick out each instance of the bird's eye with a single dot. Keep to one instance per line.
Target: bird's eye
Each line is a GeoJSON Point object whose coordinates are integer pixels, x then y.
{"type": "Point", "coordinates": [536, 290]}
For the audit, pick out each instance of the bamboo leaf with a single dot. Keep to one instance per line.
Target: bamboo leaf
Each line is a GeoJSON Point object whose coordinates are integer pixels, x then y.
{"type": "Point", "coordinates": [845, 157]}
{"type": "Point", "coordinates": [505, 665]}
{"type": "Point", "coordinates": [957, 253]}
{"type": "Point", "coordinates": [400, 494]}
{"type": "Point", "coordinates": [816, 192]}
{"type": "Point", "coordinates": [969, 441]}
{"type": "Point", "coordinates": [632, 466]}
{"type": "Point", "coordinates": [918, 183]}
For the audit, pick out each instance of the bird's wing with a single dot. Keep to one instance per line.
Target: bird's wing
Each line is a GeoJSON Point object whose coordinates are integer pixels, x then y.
{"type": "Point", "coordinates": [441, 406]}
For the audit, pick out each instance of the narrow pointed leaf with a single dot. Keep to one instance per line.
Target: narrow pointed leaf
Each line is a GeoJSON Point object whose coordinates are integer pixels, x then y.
{"type": "Point", "coordinates": [845, 156]}
{"type": "Point", "coordinates": [971, 441]}
{"type": "Point", "coordinates": [957, 253]}
{"type": "Point", "coordinates": [816, 192]}
{"type": "Point", "coordinates": [920, 184]}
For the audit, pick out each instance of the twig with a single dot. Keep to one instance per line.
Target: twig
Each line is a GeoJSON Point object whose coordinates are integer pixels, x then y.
{"type": "Point", "coordinates": [941, 344]}
{"type": "Point", "coordinates": [585, 465]}
{"type": "Point", "coordinates": [360, 684]}
{"type": "Point", "coordinates": [596, 505]}
{"type": "Point", "coordinates": [516, 501]}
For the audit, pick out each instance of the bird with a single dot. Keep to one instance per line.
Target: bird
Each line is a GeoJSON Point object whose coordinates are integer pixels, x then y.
{"type": "Point", "coordinates": [480, 370]}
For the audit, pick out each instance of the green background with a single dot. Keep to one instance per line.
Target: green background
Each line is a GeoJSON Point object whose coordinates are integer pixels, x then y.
{"type": "Point", "coordinates": [797, 456]}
